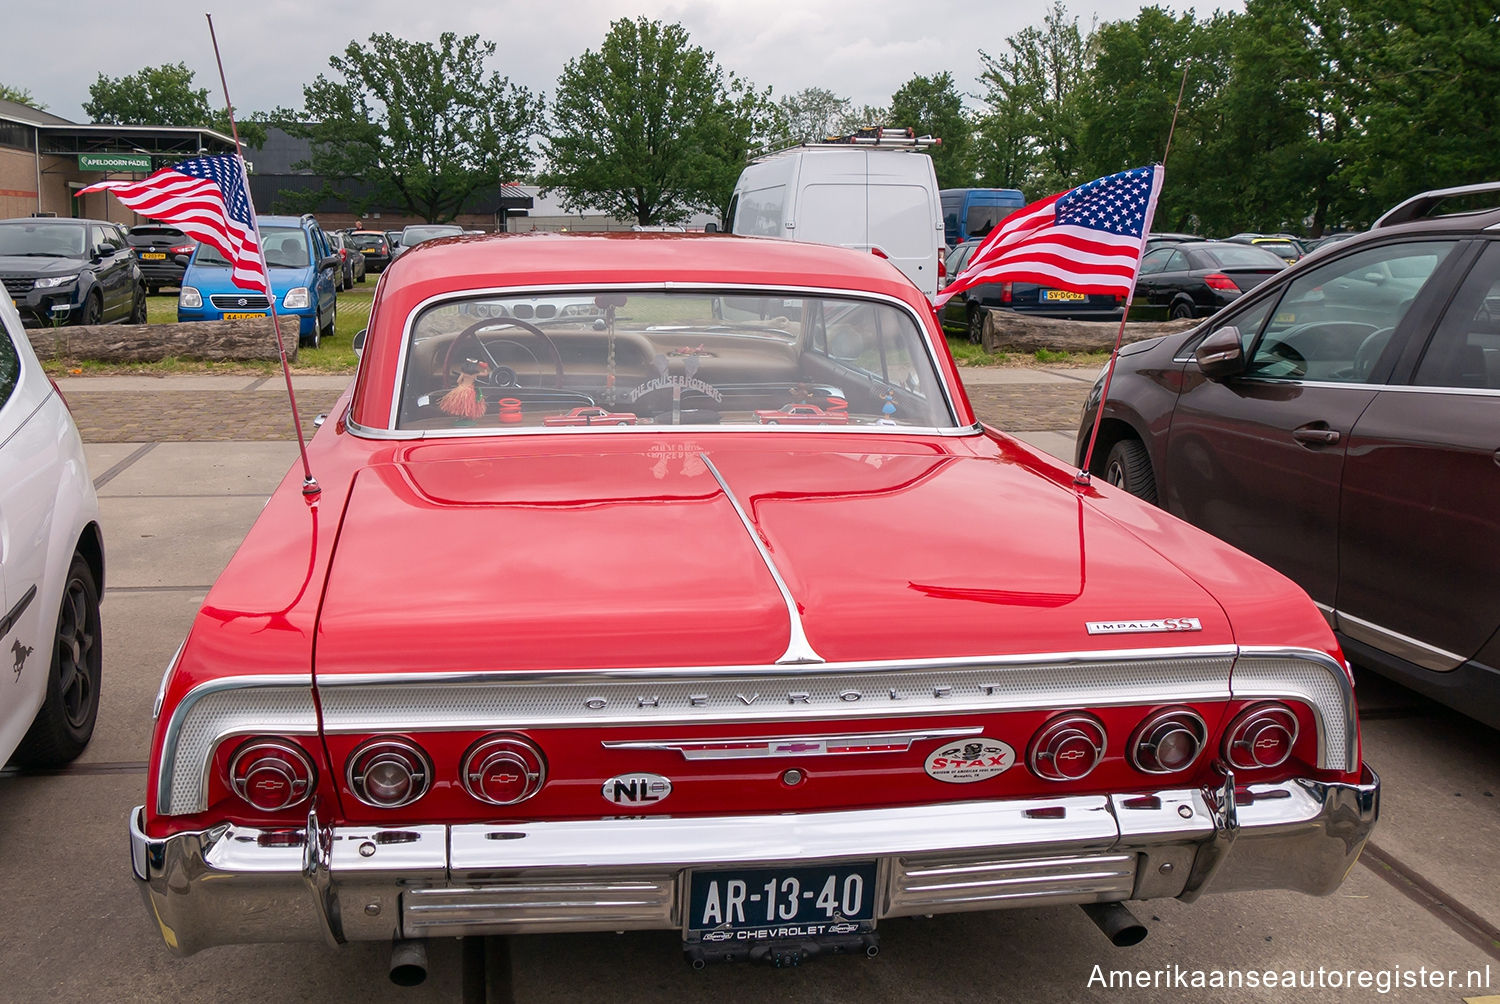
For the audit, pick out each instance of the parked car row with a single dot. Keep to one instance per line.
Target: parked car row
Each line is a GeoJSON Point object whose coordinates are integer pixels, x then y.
{"type": "Point", "coordinates": [67, 271]}
{"type": "Point", "coordinates": [1341, 422]}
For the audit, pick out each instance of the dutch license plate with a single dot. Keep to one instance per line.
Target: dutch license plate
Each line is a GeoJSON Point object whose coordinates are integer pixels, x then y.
{"type": "Point", "coordinates": [242, 317]}
{"type": "Point", "coordinates": [366, 250]}
{"type": "Point", "coordinates": [1056, 295]}
{"type": "Point", "coordinates": [765, 904]}
{"type": "Point", "coordinates": [154, 255]}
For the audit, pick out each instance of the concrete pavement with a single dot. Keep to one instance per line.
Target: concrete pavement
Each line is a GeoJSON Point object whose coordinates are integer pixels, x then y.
{"type": "Point", "coordinates": [175, 508]}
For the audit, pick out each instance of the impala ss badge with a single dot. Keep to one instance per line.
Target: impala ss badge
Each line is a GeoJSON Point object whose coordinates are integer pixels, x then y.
{"type": "Point", "coordinates": [636, 789]}
{"type": "Point", "coordinates": [1147, 626]}
{"type": "Point", "coordinates": [970, 760]}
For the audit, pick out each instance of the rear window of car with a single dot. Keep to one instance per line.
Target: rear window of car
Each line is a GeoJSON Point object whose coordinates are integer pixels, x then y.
{"type": "Point", "coordinates": [1230, 257]}
{"type": "Point", "coordinates": [1282, 248]}
{"type": "Point", "coordinates": [164, 233]}
{"type": "Point", "coordinates": [612, 359]}
{"type": "Point", "coordinates": [366, 240]}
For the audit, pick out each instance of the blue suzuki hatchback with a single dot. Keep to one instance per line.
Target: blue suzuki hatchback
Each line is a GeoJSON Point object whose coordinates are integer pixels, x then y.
{"type": "Point", "coordinates": [302, 265]}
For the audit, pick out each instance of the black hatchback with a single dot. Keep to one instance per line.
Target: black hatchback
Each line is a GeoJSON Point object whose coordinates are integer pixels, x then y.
{"type": "Point", "coordinates": [1194, 280]}
{"type": "Point", "coordinates": [156, 249]}
{"type": "Point", "coordinates": [962, 313]}
{"type": "Point", "coordinates": [1341, 422]}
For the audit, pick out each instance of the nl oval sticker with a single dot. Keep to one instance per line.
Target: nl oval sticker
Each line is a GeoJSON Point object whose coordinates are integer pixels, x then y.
{"type": "Point", "coordinates": [968, 760]}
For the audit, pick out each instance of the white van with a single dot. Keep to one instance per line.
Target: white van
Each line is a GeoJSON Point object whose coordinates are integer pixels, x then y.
{"type": "Point", "coordinates": [874, 194]}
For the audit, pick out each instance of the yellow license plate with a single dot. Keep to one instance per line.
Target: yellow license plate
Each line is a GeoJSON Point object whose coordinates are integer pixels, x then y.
{"type": "Point", "coordinates": [154, 255]}
{"type": "Point", "coordinates": [242, 317]}
{"type": "Point", "coordinates": [1061, 294]}
{"type": "Point", "coordinates": [367, 251]}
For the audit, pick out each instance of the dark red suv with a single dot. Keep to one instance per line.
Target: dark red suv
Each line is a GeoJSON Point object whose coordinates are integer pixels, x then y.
{"type": "Point", "coordinates": [1342, 423]}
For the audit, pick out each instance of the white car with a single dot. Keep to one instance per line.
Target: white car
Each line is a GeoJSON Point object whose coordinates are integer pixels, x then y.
{"type": "Point", "coordinates": [51, 565]}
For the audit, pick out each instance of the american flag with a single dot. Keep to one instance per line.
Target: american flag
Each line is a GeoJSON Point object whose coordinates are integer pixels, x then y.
{"type": "Point", "coordinates": [1087, 239]}
{"type": "Point", "coordinates": [208, 199]}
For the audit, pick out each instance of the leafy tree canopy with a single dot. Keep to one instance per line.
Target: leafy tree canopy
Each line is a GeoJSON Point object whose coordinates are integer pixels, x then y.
{"type": "Point", "coordinates": [933, 106]}
{"type": "Point", "coordinates": [20, 96]}
{"type": "Point", "coordinates": [418, 125]}
{"type": "Point", "coordinates": [162, 95]}
{"type": "Point", "coordinates": [649, 127]}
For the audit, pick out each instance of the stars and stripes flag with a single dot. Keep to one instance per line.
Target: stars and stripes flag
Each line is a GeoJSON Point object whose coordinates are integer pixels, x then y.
{"type": "Point", "coordinates": [208, 199]}
{"type": "Point", "coordinates": [1086, 240]}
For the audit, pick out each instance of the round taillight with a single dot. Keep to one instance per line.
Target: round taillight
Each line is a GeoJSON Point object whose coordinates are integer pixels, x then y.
{"type": "Point", "coordinates": [1261, 736]}
{"type": "Point", "coordinates": [1168, 741]}
{"type": "Point", "coordinates": [271, 774]}
{"type": "Point", "coordinates": [1067, 747]}
{"type": "Point", "coordinates": [503, 770]}
{"type": "Point", "coordinates": [389, 773]}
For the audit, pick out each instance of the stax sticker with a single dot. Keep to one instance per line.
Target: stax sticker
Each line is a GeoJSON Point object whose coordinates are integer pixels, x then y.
{"type": "Point", "coordinates": [968, 760]}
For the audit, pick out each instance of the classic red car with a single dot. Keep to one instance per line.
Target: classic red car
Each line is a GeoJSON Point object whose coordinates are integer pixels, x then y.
{"type": "Point", "coordinates": [809, 700]}
{"type": "Point", "coordinates": [591, 416]}
{"type": "Point", "coordinates": [800, 414]}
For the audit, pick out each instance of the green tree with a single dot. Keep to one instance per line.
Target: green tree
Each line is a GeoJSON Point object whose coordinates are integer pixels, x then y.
{"type": "Point", "coordinates": [932, 105]}
{"type": "Point", "coordinates": [1126, 116]}
{"type": "Point", "coordinates": [417, 125]}
{"type": "Point", "coordinates": [747, 124]}
{"type": "Point", "coordinates": [1033, 93]}
{"type": "Point", "coordinates": [163, 95]}
{"type": "Point", "coordinates": [644, 128]}
{"type": "Point", "coordinates": [812, 114]}
{"type": "Point", "coordinates": [20, 96]}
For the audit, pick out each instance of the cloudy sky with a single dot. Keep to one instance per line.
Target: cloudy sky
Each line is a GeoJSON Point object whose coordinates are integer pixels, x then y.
{"type": "Point", "coordinates": [861, 49]}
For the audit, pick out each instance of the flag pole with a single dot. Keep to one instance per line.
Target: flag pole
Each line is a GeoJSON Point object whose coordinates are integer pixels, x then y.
{"type": "Point", "coordinates": [310, 487]}
{"type": "Point", "coordinates": [1083, 478]}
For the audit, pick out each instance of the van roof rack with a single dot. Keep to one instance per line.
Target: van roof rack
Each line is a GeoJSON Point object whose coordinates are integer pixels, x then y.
{"type": "Point", "coordinates": [881, 136]}
{"type": "Point", "coordinates": [1422, 206]}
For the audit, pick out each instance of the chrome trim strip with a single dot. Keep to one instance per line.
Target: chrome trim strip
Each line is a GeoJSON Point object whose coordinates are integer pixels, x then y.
{"type": "Point", "coordinates": [762, 748]}
{"type": "Point", "coordinates": [1329, 614]}
{"type": "Point", "coordinates": [1325, 686]}
{"type": "Point", "coordinates": [661, 287]}
{"type": "Point", "coordinates": [1406, 388]}
{"type": "Point", "coordinates": [798, 649]}
{"type": "Point", "coordinates": [1398, 388]}
{"type": "Point", "coordinates": [188, 744]}
{"type": "Point", "coordinates": [166, 674]}
{"type": "Point", "coordinates": [1400, 645]}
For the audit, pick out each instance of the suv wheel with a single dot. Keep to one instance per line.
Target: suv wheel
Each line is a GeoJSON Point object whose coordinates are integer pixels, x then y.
{"type": "Point", "coordinates": [1128, 466]}
{"type": "Point", "coordinates": [976, 325]}
{"type": "Point", "coordinates": [92, 311]}
{"type": "Point", "coordinates": [138, 307]}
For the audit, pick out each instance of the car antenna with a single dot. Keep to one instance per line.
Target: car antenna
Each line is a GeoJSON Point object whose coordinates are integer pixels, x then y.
{"type": "Point", "coordinates": [1082, 479]}
{"type": "Point", "coordinates": [310, 487]}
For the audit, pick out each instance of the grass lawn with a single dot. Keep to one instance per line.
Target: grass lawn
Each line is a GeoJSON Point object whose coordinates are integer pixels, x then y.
{"type": "Point", "coordinates": [335, 355]}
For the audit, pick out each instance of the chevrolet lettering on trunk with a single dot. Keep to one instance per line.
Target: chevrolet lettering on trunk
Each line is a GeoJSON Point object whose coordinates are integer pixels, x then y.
{"type": "Point", "coordinates": [702, 670]}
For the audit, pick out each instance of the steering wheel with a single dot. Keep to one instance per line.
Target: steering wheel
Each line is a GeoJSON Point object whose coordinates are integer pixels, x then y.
{"type": "Point", "coordinates": [1282, 352]}
{"type": "Point", "coordinates": [1369, 352]}
{"type": "Point", "coordinates": [500, 375]}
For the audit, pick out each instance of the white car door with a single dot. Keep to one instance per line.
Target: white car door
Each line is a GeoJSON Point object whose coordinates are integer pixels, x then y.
{"type": "Point", "coordinates": [29, 476]}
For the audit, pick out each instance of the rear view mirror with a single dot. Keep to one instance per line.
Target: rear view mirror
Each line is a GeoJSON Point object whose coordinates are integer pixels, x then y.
{"type": "Point", "coordinates": [359, 341]}
{"type": "Point", "coordinates": [710, 228]}
{"type": "Point", "coordinates": [182, 259]}
{"type": "Point", "coordinates": [1220, 355]}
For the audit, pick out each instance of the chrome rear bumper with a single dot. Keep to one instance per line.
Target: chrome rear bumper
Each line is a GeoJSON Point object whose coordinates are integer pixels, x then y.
{"type": "Point", "coordinates": [233, 885]}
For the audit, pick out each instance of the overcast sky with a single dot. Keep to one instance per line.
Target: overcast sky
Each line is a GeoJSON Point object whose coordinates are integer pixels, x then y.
{"type": "Point", "coordinates": [860, 49]}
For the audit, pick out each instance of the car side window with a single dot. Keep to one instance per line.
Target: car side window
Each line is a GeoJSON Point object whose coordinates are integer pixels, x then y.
{"type": "Point", "coordinates": [1176, 262]}
{"type": "Point", "coordinates": [1465, 350]}
{"type": "Point", "coordinates": [1332, 322]}
{"type": "Point", "coordinates": [104, 238]}
{"type": "Point", "coordinates": [1155, 261]}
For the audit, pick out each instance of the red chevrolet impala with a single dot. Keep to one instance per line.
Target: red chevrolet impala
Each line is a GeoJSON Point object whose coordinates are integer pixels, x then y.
{"type": "Point", "coordinates": [752, 683]}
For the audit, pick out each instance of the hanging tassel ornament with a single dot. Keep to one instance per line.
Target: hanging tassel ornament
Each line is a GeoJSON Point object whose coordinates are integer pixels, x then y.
{"type": "Point", "coordinates": [466, 400]}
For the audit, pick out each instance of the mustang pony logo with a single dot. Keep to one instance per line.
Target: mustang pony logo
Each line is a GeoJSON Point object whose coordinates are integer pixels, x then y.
{"type": "Point", "coordinates": [21, 652]}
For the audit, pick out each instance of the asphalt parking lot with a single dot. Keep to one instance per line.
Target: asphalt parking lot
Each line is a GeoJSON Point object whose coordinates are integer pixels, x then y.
{"type": "Point", "coordinates": [183, 466]}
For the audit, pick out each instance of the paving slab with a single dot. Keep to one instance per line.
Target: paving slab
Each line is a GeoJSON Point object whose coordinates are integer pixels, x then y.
{"type": "Point", "coordinates": [1015, 375]}
{"type": "Point", "coordinates": [87, 936]}
{"type": "Point", "coordinates": [101, 457]}
{"type": "Point", "coordinates": [193, 469]}
{"type": "Point", "coordinates": [1057, 443]}
{"type": "Point", "coordinates": [1440, 802]}
{"type": "Point", "coordinates": [140, 632]}
{"type": "Point", "coordinates": [173, 541]}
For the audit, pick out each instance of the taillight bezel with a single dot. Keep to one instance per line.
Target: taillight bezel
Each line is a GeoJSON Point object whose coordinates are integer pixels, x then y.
{"type": "Point", "coordinates": [273, 752]}
{"type": "Point", "coordinates": [1059, 731]}
{"type": "Point", "coordinates": [383, 749]}
{"type": "Point", "coordinates": [1155, 728]}
{"type": "Point", "coordinates": [499, 748]}
{"type": "Point", "coordinates": [1260, 717]}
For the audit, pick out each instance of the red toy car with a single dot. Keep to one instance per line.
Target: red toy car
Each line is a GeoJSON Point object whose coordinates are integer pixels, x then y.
{"type": "Point", "coordinates": [809, 700]}
{"type": "Point", "coordinates": [801, 414]}
{"type": "Point", "coordinates": [591, 416]}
